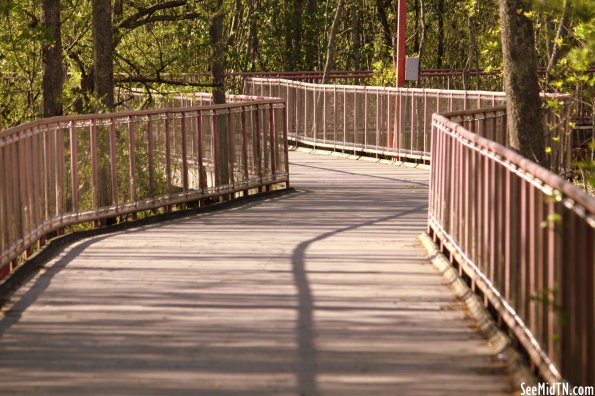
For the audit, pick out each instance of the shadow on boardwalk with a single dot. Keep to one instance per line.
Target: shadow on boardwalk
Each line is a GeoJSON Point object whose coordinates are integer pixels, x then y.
{"type": "Point", "coordinates": [320, 292]}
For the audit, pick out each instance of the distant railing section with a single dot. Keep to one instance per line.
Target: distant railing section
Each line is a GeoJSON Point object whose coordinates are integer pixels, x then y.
{"type": "Point", "coordinates": [524, 238]}
{"type": "Point", "coordinates": [395, 122]}
{"type": "Point", "coordinates": [68, 170]}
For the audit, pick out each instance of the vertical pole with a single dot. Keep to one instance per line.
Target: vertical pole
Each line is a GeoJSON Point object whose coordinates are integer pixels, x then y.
{"type": "Point", "coordinates": [184, 154]}
{"type": "Point", "coordinates": [132, 161]}
{"type": "Point", "coordinates": [74, 167]}
{"type": "Point", "coordinates": [245, 148]}
{"type": "Point", "coordinates": [113, 162]}
{"type": "Point", "coordinates": [94, 167]}
{"type": "Point", "coordinates": [400, 44]}
{"type": "Point", "coordinates": [285, 148]}
{"type": "Point", "coordinates": [151, 160]}
{"type": "Point", "coordinates": [202, 175]}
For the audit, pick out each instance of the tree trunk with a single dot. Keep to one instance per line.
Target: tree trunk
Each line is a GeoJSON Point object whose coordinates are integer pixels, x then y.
{"type": "Point", "coordinates": [424, 29]}
{"type": "Point", "coordinates": [355, 35]}
{"type": "Point", "coordinates": [218, 70]}
{"type": "Point", "coordinates": [311, 36]}
{"type": "Point", "coordinates": [330, 51]}
{"type": "Point", "coordinates": [51, 50]}
{"type": "Point", "coordinates": [416, 27]}
{"type": "Point", "coordinates": [556, 53]}
{"type": "Point", "coordinates": [440, 49]}
{"type": "Point", "coordinates": [103, 60]}
{"type": "Point", "coordinates": [470, 50]}
{"type": "Point", "coordinates": [525, 123]}
{"type": "Point", "coordinates": [252, 35]}
{"type": "Point", "coordinates": [386, 30]}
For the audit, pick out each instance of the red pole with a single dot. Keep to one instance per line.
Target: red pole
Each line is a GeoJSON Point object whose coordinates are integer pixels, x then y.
{"type": "Point", "coordinates": [400, 44]}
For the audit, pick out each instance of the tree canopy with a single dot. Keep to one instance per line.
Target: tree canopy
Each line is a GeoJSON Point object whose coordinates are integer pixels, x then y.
{"type": "Point", "coordinates": [154, 42]}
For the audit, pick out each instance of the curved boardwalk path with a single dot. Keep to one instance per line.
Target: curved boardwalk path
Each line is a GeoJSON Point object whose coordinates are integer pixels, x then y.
{"type": "Point", "coordinates": [324, 291]}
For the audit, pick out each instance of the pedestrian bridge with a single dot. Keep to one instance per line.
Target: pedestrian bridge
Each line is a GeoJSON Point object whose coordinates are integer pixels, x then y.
{"type": "Point", "coordinates": [307, 275]}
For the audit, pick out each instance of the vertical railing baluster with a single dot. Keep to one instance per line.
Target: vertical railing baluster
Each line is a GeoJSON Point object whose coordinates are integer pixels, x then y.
{"type": "Point", "coordinates": [285, 146]}
{"type": "Point", "coordinates": [215, 147]}
{"type": "Point", "coordinates": [94, 168]}
{"type": "Point", "coordinates": [258, 152]}
{"type": "Point", "coordinates": [60, 159]}
{"type": "Point", "coordinates": [245, 147]}
{"type": "Point", "coordinates": [184, 153]}
{"type": "Point", "coordinates": [202, 174]}
{"type": "Point", "coordinates": [344, 118]}
{"type": "Point", "coordinates": [132, 162]}
{"type": "Point", "coordinates": [230, 151]}
{"type": "Point", "coordinates": [74, 167]}
{"type": "Point", "coordinates": [365, 118]}
{"type": "Point", "coordinates": [168, 176]}
{"type": "Point", "coordinates": [324, 111]}
{"type": "Point", "coordinates": [113, 162]}
{"type": "Point", "coordinates": [151, 158]}
{"type": "Point", "coordinates": [272, 133]}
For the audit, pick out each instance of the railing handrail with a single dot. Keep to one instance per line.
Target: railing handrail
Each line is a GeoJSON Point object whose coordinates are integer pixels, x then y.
{"type": "Point", "coordinates": [260, 100]}
{"type": "Point", "coordinates": [524, 238]}
{"type": "Point", "coordinates": [351, 88]}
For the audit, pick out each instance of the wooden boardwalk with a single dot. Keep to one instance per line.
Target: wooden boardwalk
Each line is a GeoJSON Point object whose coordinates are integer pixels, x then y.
{"type": "Point", "coordinates": [325, 291]}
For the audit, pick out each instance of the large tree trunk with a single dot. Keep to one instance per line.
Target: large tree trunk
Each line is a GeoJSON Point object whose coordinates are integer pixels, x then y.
{"type": "Point", "coordinates": [555, 54]}
{"type": "Point", "coordinates": [252, 35]}
{"type": "Point", "coordinates": [330, 50]}
{"type": "Point", "coordinates": [440, 49]}
{"type": "Point", "coordinates": [218, 70]}
{"type": "Point", "coordinates": [355, 35]}
{"type": "Point", "coordinates": [386, 30]}
{"type": "Point", "coordinates": [424, 29]}
{"type": "Point", "coordinates": [51, 51]}
{"type": "Point", "coordinates": [103, 60]}
{"type": "Point", "coordinates": [525, 123]}
{"type": "Point", "coordinates": [311, 36]}
{"type": "Point", "coordinates": [470, 50]}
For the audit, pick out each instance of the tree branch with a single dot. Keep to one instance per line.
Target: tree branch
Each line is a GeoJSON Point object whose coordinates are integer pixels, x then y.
{"type": "Point", "coordinates": [159, 80]}
{"type": "Point", "coordinates": [132, 21]}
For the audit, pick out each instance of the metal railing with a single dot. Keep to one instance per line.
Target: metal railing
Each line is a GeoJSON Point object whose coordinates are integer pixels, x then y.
{"type": "Point", "coordinates": [68, 170]}
{"type": "Point", "coordinates": [524, 238]}
{"type": "Point", "coordinates": [394, 122]}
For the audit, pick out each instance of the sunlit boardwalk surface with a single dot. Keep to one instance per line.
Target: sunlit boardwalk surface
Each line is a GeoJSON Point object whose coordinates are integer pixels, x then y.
{"type": "Point", "coordinates": [322, 291]}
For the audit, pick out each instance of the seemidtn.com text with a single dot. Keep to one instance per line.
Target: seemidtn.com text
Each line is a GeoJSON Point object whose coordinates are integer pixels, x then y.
{"type": "Point", "coordinates": [556, 389]}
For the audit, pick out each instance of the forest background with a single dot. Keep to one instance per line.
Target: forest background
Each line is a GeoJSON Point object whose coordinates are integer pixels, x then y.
{"type": "Point", "coordinates": [75, 52]}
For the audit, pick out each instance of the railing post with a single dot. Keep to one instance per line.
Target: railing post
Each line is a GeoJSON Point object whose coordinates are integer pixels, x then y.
{"type": "Point", "coordinates": [184, 152]}
{"type": "Point", "coordinates": [230, 154]}
{"type": "Point", "coordinates": [285, 145]}
{"type": "Point", "coordinates": [273, 149]}
{"type": "Point", "coordinates": [132, 161]}
{"type": "Point", "coordinates": [74, 167]}
{"type": "Point", "coordinates": [245, 148]}
{"type": "Point", "coordinates": [258, 151]}
{"type": "Point", "coordinates": [94, 168]}
{"type": "Point", "coordinates": [150, 157]}
{"type": "Point", "coordinates": [113, 162]}
{"type": "Point", "coordinates": [202, 175]}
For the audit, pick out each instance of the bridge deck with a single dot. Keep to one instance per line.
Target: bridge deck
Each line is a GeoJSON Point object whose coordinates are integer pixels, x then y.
{"type": "Point", "coordinates": [324, 291]}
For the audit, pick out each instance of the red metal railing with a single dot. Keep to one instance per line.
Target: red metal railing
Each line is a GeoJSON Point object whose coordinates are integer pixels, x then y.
{"type": "Point", "coordinates": [524, 238]}
{"type": "Point", "coordinates": [67, 170]}
{"type": "Point", "coordinates": [393, 122]}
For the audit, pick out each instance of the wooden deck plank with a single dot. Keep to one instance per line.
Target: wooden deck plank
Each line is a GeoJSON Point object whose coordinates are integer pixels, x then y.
{"type": "Point", "coordinates": [324, 291]}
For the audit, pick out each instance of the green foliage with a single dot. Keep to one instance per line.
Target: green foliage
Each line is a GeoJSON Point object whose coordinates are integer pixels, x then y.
{"type": "Point", "coordinates": [271, 35]}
